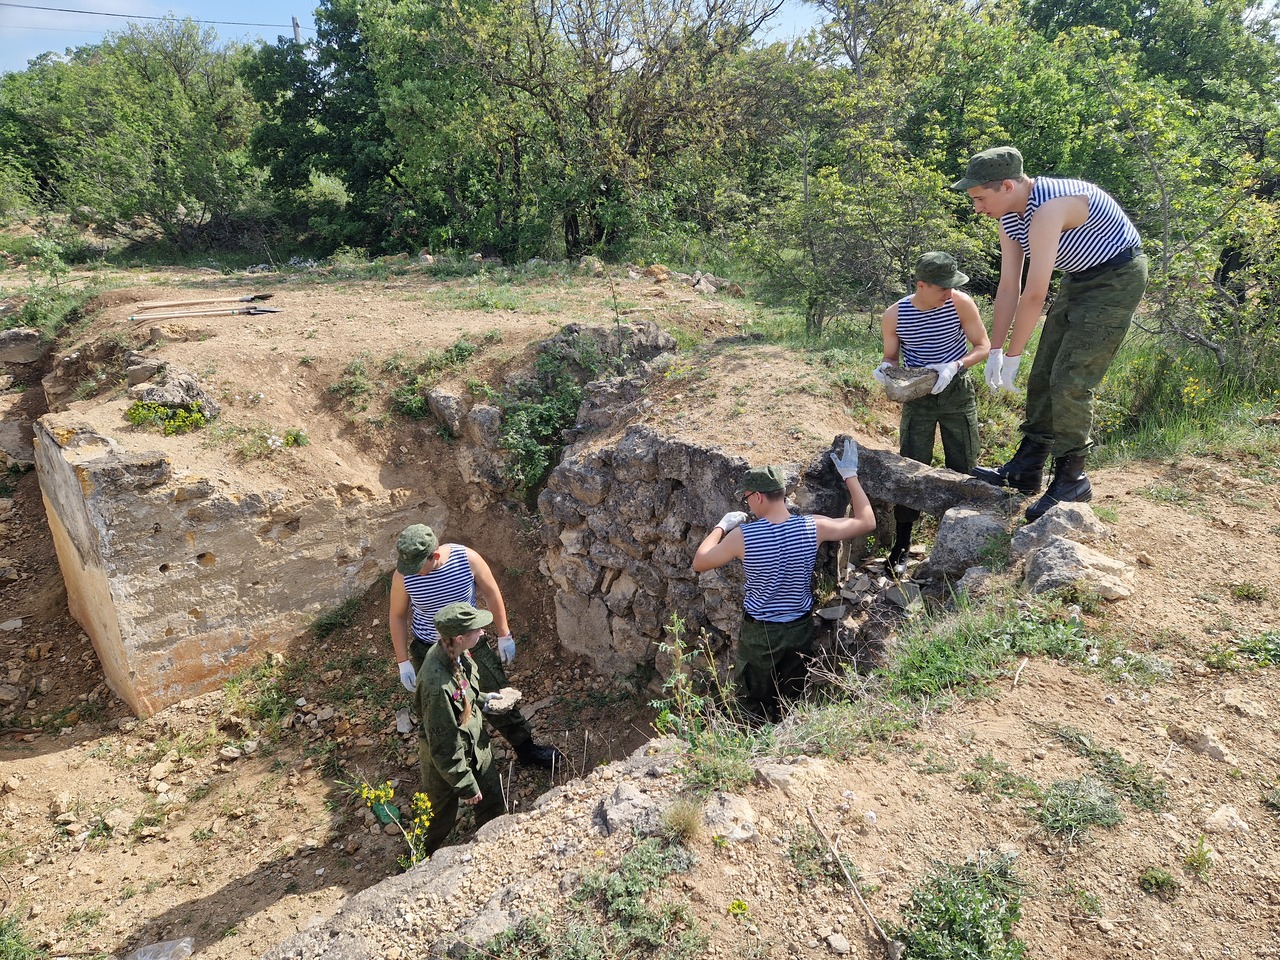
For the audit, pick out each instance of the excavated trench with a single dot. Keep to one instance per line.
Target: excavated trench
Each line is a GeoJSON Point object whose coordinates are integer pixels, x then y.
{"type": "Point", "coordinates": [178, 571]}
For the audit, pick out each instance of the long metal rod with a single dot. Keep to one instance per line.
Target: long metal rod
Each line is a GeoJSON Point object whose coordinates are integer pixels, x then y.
{"type": "Point", "coordinates": [220, 312]}
{"type": "Point", "coordinates": [190, 303]}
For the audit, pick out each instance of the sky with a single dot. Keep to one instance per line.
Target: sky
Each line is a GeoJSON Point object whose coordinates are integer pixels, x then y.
{"type": "Point", "coordinates": [26, 33]}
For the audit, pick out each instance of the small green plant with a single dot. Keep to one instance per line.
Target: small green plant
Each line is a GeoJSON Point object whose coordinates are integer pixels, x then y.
{"type": "Point", "coordinates": [410, 397]}
{"type": "Point", "coordinates": [996, 553]}
{"type": "Point", "coordinates": [738, 909]}
{"type": "Point", "coordinates": [1087, 903]}
{"type": "Point", "coordinates": [1159, 882]}
{"type": "Point", "coordinates": [1070, 807]}
{"type": "Point", "coordinates": [169, 420]}
{"type": "Point", "coordinates": [1200, 860]}
{"type": "Point", "coordinates": [339, 618]}
{"type": "Point", "coordinates": [378, 799]}
{"type": "Point", "coordinates": [814, 861]}
{"type": "Point", "coordinates": [720, 746]}
{"type": "Point", "coordinates": [965, 911]}
{"type": "Point", "coordinates": [610, 916]}
{"type": "Point", "coordinates": [259, 693]}
{"type": "Point", "coordinates": [295, 438]}
{"type": "Point", "coordinates": [1272, 799]}
{"type": "Point", "coordinates": [1135, 781]}
{"type": "Point", "coordinates": [354, 386]}
{"type": "Point", "coordinates": [1250, 592]}
{"type": "Point", "coordinates": [13, 942]}
{"type": "Point", "coordinates": [994, 778]}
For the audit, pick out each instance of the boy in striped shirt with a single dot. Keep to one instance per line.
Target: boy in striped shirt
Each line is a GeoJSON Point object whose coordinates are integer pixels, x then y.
{"type": "Point", "coordinates": [778, 551]}
{"type": "Point", "coordinates": [1074, 226]}
{"type": "Point", "coordinates": [940, 328]}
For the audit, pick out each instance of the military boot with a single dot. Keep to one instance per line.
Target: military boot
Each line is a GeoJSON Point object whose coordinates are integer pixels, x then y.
{"type": "Point", "coordinates": [1024, 471]}
{"type": "Point", "coordinates": [895, 565]}
{"type": "Point", "coordinates": [1069, 485]}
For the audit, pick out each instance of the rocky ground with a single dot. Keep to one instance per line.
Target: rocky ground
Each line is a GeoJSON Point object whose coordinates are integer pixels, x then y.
{"type": "Point", "coordinates": [214, 819]}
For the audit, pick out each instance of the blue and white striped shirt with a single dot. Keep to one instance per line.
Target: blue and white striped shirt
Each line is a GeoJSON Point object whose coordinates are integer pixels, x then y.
{"type": "Point", "coordinates": [778, 560]}
{"type": "Point", "coordinates": [1104, 233]}
{"type": "Point", "coordinates": [930, 336]}
{"type": "Point", "coordinates": [429, 592]}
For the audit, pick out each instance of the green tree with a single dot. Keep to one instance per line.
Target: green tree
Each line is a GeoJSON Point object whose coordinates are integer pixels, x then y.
{"type": "Point", "coordinates": [322, 118]}
{"type": "Point", "coordinates": [146, 130]}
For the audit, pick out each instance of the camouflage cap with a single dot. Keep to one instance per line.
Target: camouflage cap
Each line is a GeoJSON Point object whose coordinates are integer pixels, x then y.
{"type": "Point", "coordinates": [459, 618]}
{"type": "Point", "coordinates": [997, 163]}
{"type": "Point", "coordinates": [762, 480]}
{"type": "Point", "coordinates": [416, 543]}
{"type": "Point", "coordinates": [940, 269]}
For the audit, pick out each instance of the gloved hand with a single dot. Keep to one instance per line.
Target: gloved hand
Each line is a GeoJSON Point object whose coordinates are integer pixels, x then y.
{"type": "Point", "coordinates": [507, 649]}
{"type": "Point", "coordinates": [407, 676]}
{"type": "Point", "coordinates": [732, 519]}
{"type": "Point", "coordinates": [1010, 371]}
{"type": "Point", "coordinates": [879, 373]}
{"type": "Point", "coordinates": [846, 462]}
{"type": "Point", "coordinates": [995, 363]}
{"type": "Point", "coordinates": [946, 373]}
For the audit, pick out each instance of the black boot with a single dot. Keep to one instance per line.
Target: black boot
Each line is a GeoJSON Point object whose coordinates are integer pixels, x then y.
{"type": "Point", "coordinates": [1069, 485]}
{"type": "Point", "coordinates": [539, 755]}
{"type": "Point", "coordinates": [895, 566]}
{"type": "Point", "coordinates": [1024, 471]}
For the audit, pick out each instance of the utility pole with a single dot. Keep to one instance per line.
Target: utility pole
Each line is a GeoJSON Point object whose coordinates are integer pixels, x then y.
{"type": "Point", "coordinates": [297, 32]}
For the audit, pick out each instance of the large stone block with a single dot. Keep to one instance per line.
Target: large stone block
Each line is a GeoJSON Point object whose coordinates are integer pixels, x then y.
{"type": "Point", "coordinates": [182, 581]}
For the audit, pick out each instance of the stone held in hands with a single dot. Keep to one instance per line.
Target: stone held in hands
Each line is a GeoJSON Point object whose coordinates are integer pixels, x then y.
{"type": "Point", "coordinates": [908, 383]}
{"type": "Point", "coordinates": [504, 701]}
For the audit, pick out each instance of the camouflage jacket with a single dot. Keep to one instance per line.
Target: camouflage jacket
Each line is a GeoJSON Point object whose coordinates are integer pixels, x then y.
{"type": "Point", "coordinates": [456, 749]}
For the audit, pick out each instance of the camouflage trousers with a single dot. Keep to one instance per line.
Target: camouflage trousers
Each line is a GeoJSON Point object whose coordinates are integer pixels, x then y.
{"type": "Point", "coordinates": [444, 799]}
{"type": "Point", "coordinates": [771, 665]}
{"type": "Point", "coordinates": [512, 726]}
{"type": "Point", "coordinates": [1082, 332]}
{"type": "Point", "coordinates": [954, 414]}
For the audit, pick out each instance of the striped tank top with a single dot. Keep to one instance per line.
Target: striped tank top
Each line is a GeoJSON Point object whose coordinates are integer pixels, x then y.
{"type": "Point", "coordinates": [452, 583]}
{"type": "Point", "coordinates": [779, 560]}
{"type": "Point", "coordinates": [930, 336]}
{"type": "Point", "coordinates": [1104, 233]}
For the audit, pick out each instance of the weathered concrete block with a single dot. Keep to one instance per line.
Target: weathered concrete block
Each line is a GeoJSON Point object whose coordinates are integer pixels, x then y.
{"type": "Point", "coordinates": [182, 581]}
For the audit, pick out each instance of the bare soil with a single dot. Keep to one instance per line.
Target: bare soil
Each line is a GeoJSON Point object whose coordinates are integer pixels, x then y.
{"type": "Point", "coordinates": [250, 849]}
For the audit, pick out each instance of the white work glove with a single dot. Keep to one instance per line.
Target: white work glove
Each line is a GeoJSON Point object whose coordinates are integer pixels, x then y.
{"type": "Point", "coordinates": [879, 374]}
{"type": "Point", "coordinates": [995, 363]}
{"type": "Point", "coordinates": [846, 463]}
{"type": "Point", "coordinates": [407, 676]}
{"type": "Point", "coordinates": [1009, 372]}
{"type": "Point", "coordinates": [734, 518]}
{"type": "Point", "coordinates": [946, 373]}
{"type": "Point", "coordinates": [507, 649]}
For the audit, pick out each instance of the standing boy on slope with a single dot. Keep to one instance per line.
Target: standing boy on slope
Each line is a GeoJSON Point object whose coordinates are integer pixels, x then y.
{"type": "Point", "coordinates": [1078, 228]}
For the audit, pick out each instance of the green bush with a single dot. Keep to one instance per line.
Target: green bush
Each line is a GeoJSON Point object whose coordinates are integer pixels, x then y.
{"type": "Point", "coordinates": [169, 420]}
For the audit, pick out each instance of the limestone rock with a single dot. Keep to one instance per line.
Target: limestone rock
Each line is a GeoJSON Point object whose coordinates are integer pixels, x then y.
{"type": "Point", "coordinates": [1061, 563]}
{"type": "Point", "coordinates": [178, 389]}
{"type": "Point", "coordinates": [447, 409]}
{"type": "Point", "coordinates": [1071, 521]}
{"type": "Point", "coordinates": [1204, 741]}
{"type": "Point", "coordinates": [20, 345]}
{"type": "Point", "coordinates": [1226, 819]}
{"type": "Point", "coordinates": [1240, 701]}
{"type": "Point", "coordinates": [963, 536]}
{"type": "Point", "coordinates": [630, 810]}
{"type": "Point", "coordinates": [731, 817]}
{"type": "Point", "coordinates": [908, 383]}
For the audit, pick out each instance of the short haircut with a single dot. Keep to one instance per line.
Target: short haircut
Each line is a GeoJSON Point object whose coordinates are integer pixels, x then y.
{"type": "Point", "coordinates": [773, 496]}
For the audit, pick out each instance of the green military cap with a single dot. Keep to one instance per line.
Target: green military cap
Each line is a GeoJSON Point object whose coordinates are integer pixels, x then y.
{"type": "Point", "coordinates": [940, 269]}
{"type": "Point", "coordinates": [459, 618]}
{"type": "Point", "coordinates": [762, 480]}
{"type": "Point", "coordinates": [997, 163]}
{"type": "Point", "coordinates": [416, 543]}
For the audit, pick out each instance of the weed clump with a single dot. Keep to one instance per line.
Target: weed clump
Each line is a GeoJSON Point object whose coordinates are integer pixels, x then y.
{"type": "Point", "coordinates": [965, 911]}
